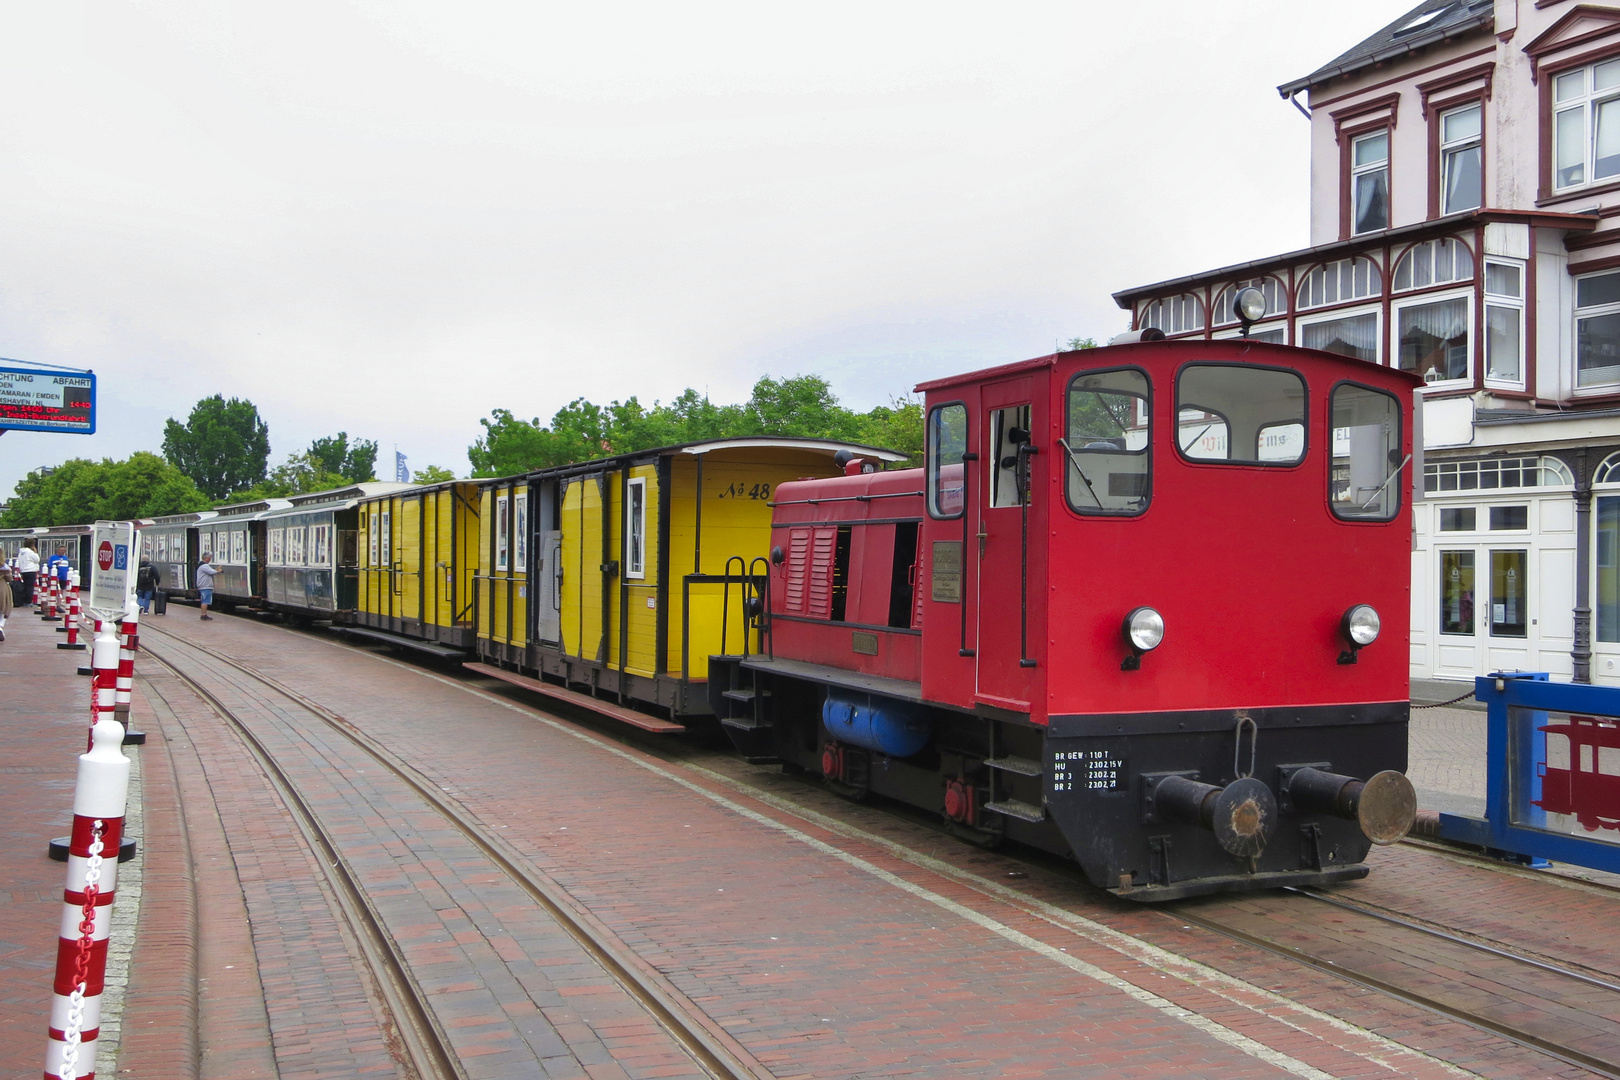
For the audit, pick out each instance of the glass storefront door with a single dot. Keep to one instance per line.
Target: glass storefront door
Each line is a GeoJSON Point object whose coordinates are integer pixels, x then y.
{"type": "Point", "coordinates": [1484, 610]}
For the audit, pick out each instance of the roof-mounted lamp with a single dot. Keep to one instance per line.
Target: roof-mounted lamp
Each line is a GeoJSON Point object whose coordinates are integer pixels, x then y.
{"type": "Point", "coordinates": [1249, 305]}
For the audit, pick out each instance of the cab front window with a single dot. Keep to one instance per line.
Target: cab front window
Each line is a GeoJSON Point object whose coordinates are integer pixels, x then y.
{"type": "Point", "coordinates": [1108, 442]}
{"type": "Point", "coordinates": [1240, 414]}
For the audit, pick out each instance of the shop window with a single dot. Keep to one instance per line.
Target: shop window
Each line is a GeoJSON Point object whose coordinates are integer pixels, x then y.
{"type": "Point", "coordinates": [1510, 518]}
{"type": "Point", "coordinates": [1253, 404]}
{"type": "Point", "coordinates": [1364, 476]}
{"type": "Point", "coordinates": [947, 447]}
{"type": "Point", "coordinates": [1107, 442]}
{"type": "Point", "coordinates": [1608, 568]}
{"type": "Point", "coordinates": [1457, 519]}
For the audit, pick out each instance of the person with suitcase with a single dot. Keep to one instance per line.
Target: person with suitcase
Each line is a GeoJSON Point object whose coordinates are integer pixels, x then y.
{"type": "Point", "coordinates": [147, 580]}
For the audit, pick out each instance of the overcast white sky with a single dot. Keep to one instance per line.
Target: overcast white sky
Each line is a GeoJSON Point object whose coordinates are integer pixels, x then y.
{"type": "Point", "coordinates": [392, 217]}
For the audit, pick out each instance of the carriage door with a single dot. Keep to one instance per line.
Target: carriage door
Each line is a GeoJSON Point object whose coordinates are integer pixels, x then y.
{"type": "Point", "coordinates": [546, 578]}
{"type": "Point", "coordinates": [997, 546]}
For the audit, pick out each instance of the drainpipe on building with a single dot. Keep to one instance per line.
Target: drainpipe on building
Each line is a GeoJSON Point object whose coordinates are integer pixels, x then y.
{"type": "Point", "coordinates": [1582, 653]}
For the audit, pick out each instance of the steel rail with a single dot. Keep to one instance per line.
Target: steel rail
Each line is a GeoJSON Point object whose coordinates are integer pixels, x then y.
{"type": "Point", "coordinates": [1529, 1040]}
{"type": "Point", "coordinates": [714, 1051]}
{"type": "Point", "coordinates": [426, 1045]}
{"type": "Point", "coordinates": [1388, 916]}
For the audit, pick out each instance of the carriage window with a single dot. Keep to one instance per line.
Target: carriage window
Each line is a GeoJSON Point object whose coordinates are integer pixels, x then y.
{"type": "Point", "coordinates": [1259, 410]}
{"type": "Point", "coordinates": [1107, 442]}
{"type": "Point", "coordinates": [947, 444]}
{"type": "Point", "coordinates": [635, 534]}
{"type": "Point", "coordinates": [1009, 471]}
{"type": "Point", "coordinates": [1363, 482]}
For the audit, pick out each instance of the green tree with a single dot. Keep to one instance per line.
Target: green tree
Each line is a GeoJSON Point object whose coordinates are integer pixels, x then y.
{"type": "Point", "coordinates": [81, 491]}
{"type": "Point", "coordinates": [1078, 343]}
{"type": "Point", "coordinates": [223, 446]}
{"type": "Point", "coordinates": [336, 455]}
{"type": "Point", "coordinates": [300, 474]}
{"type": "Point", "coordinates": [431, 474]}
{"type": "Point", "coordinates": [896, 426]}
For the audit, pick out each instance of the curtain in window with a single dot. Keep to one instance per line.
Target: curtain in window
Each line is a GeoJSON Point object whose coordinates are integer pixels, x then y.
{"type": "Point", "coordinates": [1372, 201]}
{"type": "Point", "coordinates": [1502, 343]}
{"type": "Point", "coordinates": [1355, 336]}
{"type": "Point", "coordinates": [1462, 179]}
{"type": "Point", "coordinates": [1571, 153]}
{"type": "Point", "coordinates": [1434, 338]}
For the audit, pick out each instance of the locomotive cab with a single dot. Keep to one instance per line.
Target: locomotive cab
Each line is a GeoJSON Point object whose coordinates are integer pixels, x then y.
{"type": "Point", "coordinates": [1161, 596]}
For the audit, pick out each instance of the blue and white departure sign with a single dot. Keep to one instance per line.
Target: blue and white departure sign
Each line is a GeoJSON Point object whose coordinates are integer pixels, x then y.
{"type": "Point", "coordinates": [40, 399]}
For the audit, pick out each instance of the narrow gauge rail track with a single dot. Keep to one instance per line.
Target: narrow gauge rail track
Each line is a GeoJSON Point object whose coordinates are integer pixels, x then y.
{"type": "Point", "coordinates": [1521, 1034]}
{"type": "Point", "coordinates": [1187, 914]}
{"type": "Point", "coordinates": [426, 1044]}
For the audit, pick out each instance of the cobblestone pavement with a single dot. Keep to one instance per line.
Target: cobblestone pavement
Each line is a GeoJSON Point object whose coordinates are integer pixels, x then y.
{"type": "Point", "coordinates": [1446, 760]}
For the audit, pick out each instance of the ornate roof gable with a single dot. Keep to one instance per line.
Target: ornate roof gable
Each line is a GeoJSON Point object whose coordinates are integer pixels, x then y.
{"type": "Point", "coordinates": [1582, 25]}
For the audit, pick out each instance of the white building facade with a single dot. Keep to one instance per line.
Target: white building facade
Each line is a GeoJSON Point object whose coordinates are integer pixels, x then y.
{"type": "Point", "coordinates": [1465, 225]}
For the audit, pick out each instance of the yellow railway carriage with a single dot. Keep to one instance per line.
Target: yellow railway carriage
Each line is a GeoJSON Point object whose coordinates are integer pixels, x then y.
{"type": "Point", "coordinates": [419, 551]}
{"type": "Point", "coordinates": [612, 575]}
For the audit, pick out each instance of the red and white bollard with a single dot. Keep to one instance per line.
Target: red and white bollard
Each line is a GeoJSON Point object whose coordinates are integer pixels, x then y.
{"type": "Point", "coordinates": [128, 647]}
{"type": "Point", "coordinates": [47, 596]}
{"type": "Point", "coordinates": [104, 658]}
{"type": "Point", "coordinates": [92, 876]}
{"type": "Point", "coordinates": [74, 614]}
{"type": "Point", "coordinates": [87, 668]}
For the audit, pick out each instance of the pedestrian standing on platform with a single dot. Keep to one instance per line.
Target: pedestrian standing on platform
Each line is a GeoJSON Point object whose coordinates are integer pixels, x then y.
{"type": "Point", "coordinates": [5, 599]}
{"type": "Point", "coordinates": [59, 565]}
{"type": "Point", "coordinates": [146, 584]}
{"type": "Point", "coordinates": [28, 565]}
{"type": "Point", "coordinates": [206, 570]}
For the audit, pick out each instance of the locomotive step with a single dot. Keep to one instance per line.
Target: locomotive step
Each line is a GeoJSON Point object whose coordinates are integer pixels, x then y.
{"type": "Point", "coordinates": [744, 695]}
{"type": "Point", "coordinates": [1023, 766]}
{"type": "Point", "coordinates": [745, 723]}
{"type": "Point", "coordinates": [1023, 811]}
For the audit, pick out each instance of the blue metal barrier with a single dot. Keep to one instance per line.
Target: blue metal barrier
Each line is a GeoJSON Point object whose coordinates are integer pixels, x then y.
{"type": "Point", "coordinates": [1567, 809]}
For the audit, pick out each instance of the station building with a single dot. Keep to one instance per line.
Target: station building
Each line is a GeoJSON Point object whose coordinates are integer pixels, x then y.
{"type": "Point", "coordinates": [1465, 225]}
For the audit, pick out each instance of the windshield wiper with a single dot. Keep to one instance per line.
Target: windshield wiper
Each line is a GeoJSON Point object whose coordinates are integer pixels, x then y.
{"type": "Point", "coordinates": [1075, 460]}
{"type": "Point", "coordinates": [1380, 489]}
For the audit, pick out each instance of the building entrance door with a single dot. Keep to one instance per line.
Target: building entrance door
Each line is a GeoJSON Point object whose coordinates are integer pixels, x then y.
{"type": "Point", "coordinates": [1484, 616]}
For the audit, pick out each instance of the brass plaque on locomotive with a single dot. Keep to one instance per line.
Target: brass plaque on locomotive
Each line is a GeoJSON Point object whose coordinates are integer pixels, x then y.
{"type": "Point", "coordinates": [946, 567]}
{"type": "Point", "coordinates": [864, 643]}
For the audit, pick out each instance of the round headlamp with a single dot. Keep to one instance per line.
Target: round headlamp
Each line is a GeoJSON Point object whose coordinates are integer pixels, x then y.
{"type": "Point", "coordinates": [1144, 629]}
{"type": "Point", "coordinates": [1361, 626]}
{"type": "Point", "coordinates": [1249, 305]}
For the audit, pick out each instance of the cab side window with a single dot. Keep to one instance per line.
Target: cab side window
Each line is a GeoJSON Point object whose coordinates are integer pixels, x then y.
{"type": "Point", "coordinates": [1363, 483]}
{"type": "Point", "coordinates": [1108, 442]}
{"type": "Point", "coordinates": [947, 450]}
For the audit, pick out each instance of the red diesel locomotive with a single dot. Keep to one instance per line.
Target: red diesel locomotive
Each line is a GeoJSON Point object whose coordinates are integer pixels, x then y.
{"type": "Point", "coordinates": [1145, 605]}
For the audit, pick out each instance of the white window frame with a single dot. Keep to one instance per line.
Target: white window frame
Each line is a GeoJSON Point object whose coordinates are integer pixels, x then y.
{"type": "Point", "coordinates": [520, 532]}
{"type": "Point", "coordinates": [1183, 313]}
{"type": "Point", "coordinates": [373, 522]}
{"type": "Point", "coordinates": [1234, 333]}
{"type": "Point", "coordinates": [1449, 151]}
{"type": "Point", "coordinates": [1340, 268]}
{"type": "Point", "coordinates": [503, 524]}
{"type": "Point", "coordinates": [387, 539]}
{"type": "Point", "coordinates": [1424, 251]}
{"type": "Point", "coordinates": [1423, 300]}
{"type": "Point", "coordinates": [1335, 314]}
{"type": "Point", "coordinates": [278, 542]}
{"type": "Point", "coordinates": [295, 545]}
{"type": "Point", "coordinates": [1593, 312]}
{"type": "Point", "coordinates": [635, 528]}
{"type": "Point", "coordinates": [1585, 103]}
{"type": "Point", "coordinates": [323, 546]}
{"type": "Point", "coordinates": [1506, 302]}
{"type": "Point", "coordinates": [1275, 292]}
{"type": "Point", "coordinates": [239, 547]}
{"type": "Point", "coordinates": [1357, 172]}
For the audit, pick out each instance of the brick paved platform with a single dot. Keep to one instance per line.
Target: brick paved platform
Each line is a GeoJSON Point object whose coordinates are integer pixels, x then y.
{"type": "Point", "coordinates": [44, 715]}
{"type": "Point", "coordinates": [825, 949]}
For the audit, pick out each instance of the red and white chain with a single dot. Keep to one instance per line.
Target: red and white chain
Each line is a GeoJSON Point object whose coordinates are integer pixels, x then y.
{"type": "Point", "coordinates": [81, 973]}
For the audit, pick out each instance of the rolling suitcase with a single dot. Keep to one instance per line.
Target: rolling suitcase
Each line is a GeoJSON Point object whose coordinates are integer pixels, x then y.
{"type": "Point", "coordinates": [160, 603]}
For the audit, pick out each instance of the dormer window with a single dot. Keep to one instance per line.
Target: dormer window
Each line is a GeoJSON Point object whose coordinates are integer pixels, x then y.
{"type": "Point", "coordinates": [1586, 125]}
{"type": "Point", "coordinates": [1461, 177]}
{"type": "Point", "coordinates": [1369, 182]}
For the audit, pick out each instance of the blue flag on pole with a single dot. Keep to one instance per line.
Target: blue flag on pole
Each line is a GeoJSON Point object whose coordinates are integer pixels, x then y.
{"type": "Point", "coordinates": [401, 473]}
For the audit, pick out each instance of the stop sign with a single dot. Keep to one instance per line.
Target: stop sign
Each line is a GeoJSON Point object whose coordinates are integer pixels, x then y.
{"type": "Point", "coordinates": [104, 555]}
